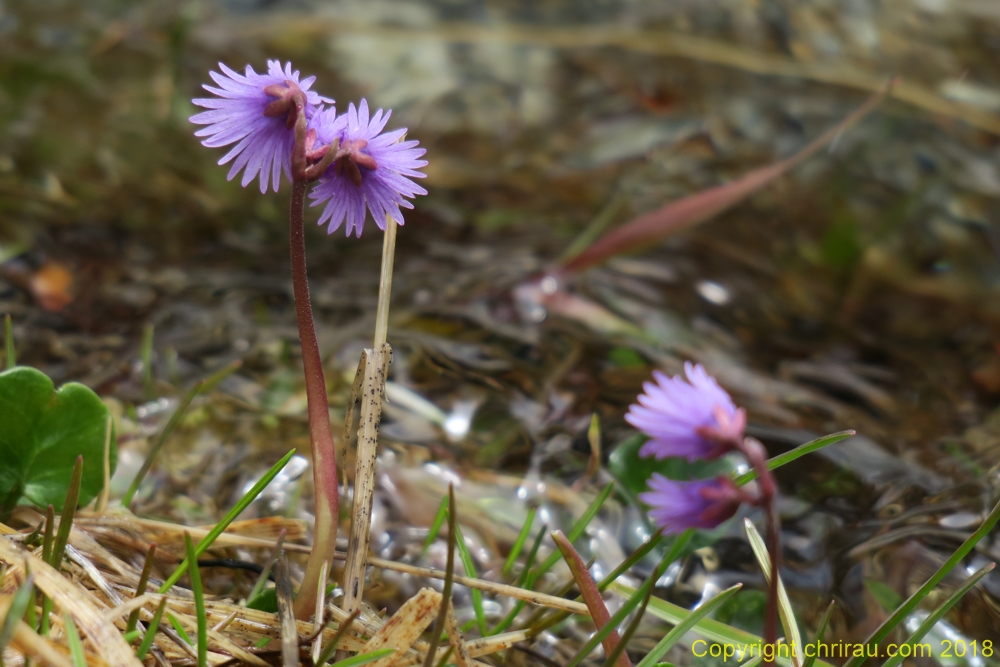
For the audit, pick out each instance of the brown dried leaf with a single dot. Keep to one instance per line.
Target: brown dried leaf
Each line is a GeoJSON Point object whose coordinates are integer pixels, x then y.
{"type": "Point", "coordinates": [405, 626]}
{"type": "Point", "coordinates": [591, 595]}
{"type": "Point", "coordinates": [706, 204]}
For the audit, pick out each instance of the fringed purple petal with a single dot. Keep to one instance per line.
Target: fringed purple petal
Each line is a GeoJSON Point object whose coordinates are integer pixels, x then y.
{"type": "Point", "coordinates": [263, 144]}
{"type": "Point", "coordinates": [383, 191]}
{"type": "Point", "coordinates": [672, 410]}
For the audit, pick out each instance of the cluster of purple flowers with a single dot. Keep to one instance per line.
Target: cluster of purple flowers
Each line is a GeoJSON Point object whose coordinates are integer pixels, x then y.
{"type": "Point", "coordinates": [358, 168]}
{"type": "Point", "coordinates": [693, 418]}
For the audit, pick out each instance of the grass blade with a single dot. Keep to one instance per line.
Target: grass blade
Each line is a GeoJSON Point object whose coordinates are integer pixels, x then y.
{"type": "Point", "coordinates": [681, 628]}
{"type": "Point", "coordinates": [631, 603]}
{"type": "Point", "coordinates": [199, 602]}
{"type": "Point", "coordinates": [147, 567]}
{"type": "Point", "coordinates": [470, 571]}
{"type": "Point", "coordinates": [672, 554]}
{"type": "Point", "coordinates": [449, 573]}
{"type": "Point", "coordinates": [216, 378]}
{"type": "Point", "coordinates": [364, 658]}
{"type": "Point", "coordinates": [231, 515]}
{"type": "Point", "coordinates": [591, 596]}
{"type": "Point", "coordinates": [8, 333]}
{"type": "Point", "coordinates": [105, 494]}
{"type": "Point", "coordinates": [522, 537]}
{"type": "Point", "coordinates": [22, 598]}
{"type": "Point", "coordinates": [784, 604]}
{"type": "Point", "coordinates": [938, 614]}
{"type": "Point", "coordinates": [798, 452]}
{"type": "Point", "coordinates": [577, 530]}
{"type": "Point", "coordinates": [640, 553]}
{"type": "Point", "coordinates": [175, 419]}
{"type": "Point", "coordinates": [708, 628]}
{"type": "Point", "coordinates": [179, 629]}
{"type": "Point", "coordinates": [332, 646]}
{"type": "Point", "coordinates": [47, 542]}
{"type": "Point", "coordinates": [75, 645]}
{"type": "Point", "coordinates": [527, 578]}
{"type": "Point", "coordinates": [68, 512]}
{"type": "Point", "coordinates": [154, 625]}
{"type": "Point", "coordinates": [529, 562]}
{"type": "Point", "coordinates": [889, 624]}
{"type": "Point", "coordinates": [266, 572]}
{"type": "Point", "coordinates": [444, 658]}
{"type": "Point", "coordinates": [629, 631]}
{"type": "Point", "coordinates": [49, 538]}
{"type": "Point", "coordinates": [146, 358]}
{"type": "Point", "coordinates": [820, 633]}
{"type": "Point", "coordinates": [436, 526]}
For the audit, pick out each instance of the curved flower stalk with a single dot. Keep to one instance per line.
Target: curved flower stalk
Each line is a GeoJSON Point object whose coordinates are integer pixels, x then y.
{"type": "Point", "coordinates": [278, 125]}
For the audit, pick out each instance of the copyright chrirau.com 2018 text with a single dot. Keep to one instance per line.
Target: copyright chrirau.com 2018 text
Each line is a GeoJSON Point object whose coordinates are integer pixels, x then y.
{"type": "Point", "coordinates": [740, 652]}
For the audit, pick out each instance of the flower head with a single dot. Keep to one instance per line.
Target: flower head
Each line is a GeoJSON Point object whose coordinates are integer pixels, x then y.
{"type": "Point", "coordinates": [677, 506]}
{"type": "Point", "coordinates": [370, 171]}
{"type": "Point", "coordinates": [256, 112]}
{"type": "Point", "coordinates": [693, 418]}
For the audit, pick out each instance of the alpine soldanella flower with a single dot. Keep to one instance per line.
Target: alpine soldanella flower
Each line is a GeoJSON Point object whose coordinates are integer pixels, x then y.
{"type": "Point", "coordinates": [677, 506]}
{"type": "Point", "coordinates": [693, 418]}
{"type": "Point", "coordinates": [279, 125]}
{"type": "Point", "coordinates": [369, 171]}
{"type": "Point", "coordinates": [258, 113]}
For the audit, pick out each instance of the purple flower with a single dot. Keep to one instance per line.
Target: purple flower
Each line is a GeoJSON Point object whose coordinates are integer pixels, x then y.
{"type": "Point", "coordinates": [369, 171]}
{"type": "Point", "coordinates": [677, 506]}
{"type": "Point", "coordinates": [693, 418]}
{"type": "Point", "coordinates": [257, 113]}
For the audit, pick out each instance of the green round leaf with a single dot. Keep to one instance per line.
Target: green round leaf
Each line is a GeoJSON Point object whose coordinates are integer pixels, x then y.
{"type": "Point", "coordinates": [42, 432]}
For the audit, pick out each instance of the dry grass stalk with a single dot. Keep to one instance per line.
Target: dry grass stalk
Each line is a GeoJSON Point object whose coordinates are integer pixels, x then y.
{"type": "Point", "coordinates": [475, 648]}
{"type": "Point", "coordinates": [221, 648]}
{"type": "Point", "coordinates": [67, 596]}
{"type": "Point", "coordinates": [461, 653]}
{"type": "Point", "coordinates": [234, 629]}
{"type": "Point", "coordinates": [374, 365]}
{"type": "Point", "coordinates": [127, 608]}
{"type": "Point", "coordinates": [286, 613]}
{"type": "Point", "coordinates": [251, 625]}
{"type": "Point", "coordinates": [30, 644]}
{"type": "Point", "coordinates": [318, 616]}
{"type": "Point", "coordinates": [102, 499]}
{"type": "Point", "coordinates": [162, 529]}
{"type": "Point", "coordinates": [374, 368]}
{"type": "Point", "coordinates": [406, 625]}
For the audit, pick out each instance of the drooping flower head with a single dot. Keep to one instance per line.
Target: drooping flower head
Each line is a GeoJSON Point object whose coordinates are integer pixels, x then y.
{"type": "Point", "coordinates": [693, 418]}
{"type": "Point", "coordinates": [677, 506]}
{"type": "Point", "coordinates": [370, 171]}
{"type": "Point", "coordinates": [256, 112]}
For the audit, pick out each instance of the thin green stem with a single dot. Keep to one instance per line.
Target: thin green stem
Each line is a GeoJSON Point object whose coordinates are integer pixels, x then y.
{"type": "Point", "coordinates": [8, 328]}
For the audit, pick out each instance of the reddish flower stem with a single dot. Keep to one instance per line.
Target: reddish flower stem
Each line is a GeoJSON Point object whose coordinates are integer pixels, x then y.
{"type": "Point", "coordinates": [320, 432]}
{"type": "Point", "coordinates": [755, 454]}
